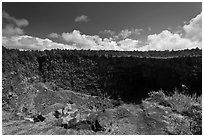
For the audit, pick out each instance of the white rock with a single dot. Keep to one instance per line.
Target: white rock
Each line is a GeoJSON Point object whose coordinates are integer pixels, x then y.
{"type": "Point", "coordinates": [29, 119]}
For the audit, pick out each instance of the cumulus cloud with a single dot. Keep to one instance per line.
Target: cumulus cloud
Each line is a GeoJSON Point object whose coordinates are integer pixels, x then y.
{"type": "Point", "coordinates": [123, 34]}
{"type": "Point", "coordinates": [129, 44]}
{"type": "Point", "coordinates": [122, 41]}
{"type": "Point", "coordinates": [18, 22]}
{"type": "Point", "coordinates": [165, 40]}
{"type": "Point", "coordinates": [168, 41]}
{"type": "Point", "coordinates": [10, 30]}
{"type": "Point", "coordinates": [13, 25]}
{"type": "Point", "coordinates": [73, 40]}
{"type": "Point", "coordinates": [54, 35]}
{"type": "Point", "coordinates": [107, 31]}
{"type": "Point", "coordinates": [82, 41]}
{"type": "Point", "coordinates": [82, 18]}
{"type": "Point", "coordinates": [193, 29]}
{"type": "Point", "coordinates": [32, 43]}
{"type": "Point", "coordinates": [127, 33]}
{"type": "Point", "coordinates": [105, 44]}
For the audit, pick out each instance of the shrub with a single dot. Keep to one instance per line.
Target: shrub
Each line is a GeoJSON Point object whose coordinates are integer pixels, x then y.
{"type": "Point", "coordinates": [158, 97]}
{"type": "Point", "coordinates": [180, 102]}
{"type": "Point", "coordinates": [184, 111]}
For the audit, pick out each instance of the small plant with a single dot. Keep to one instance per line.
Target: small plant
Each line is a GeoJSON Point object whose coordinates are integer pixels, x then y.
{"type": "Point", "coordinates": [157, 96]}
{"type": "Point", "coordinates": [121, 113]}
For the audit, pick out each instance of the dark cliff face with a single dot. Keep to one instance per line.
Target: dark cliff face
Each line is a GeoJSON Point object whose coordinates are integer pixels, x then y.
{"type": "Point", "coordinates": [129, 78]}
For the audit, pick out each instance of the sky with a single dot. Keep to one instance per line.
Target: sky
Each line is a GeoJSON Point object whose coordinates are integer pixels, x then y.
{"type": "Point", "coordinates": [124, 26]}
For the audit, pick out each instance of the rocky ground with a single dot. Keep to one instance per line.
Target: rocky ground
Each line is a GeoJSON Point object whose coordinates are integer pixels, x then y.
{"type": "Point", "coordinates": [45, 111]}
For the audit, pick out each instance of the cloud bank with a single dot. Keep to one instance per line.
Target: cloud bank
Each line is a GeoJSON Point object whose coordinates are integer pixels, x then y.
{"type": "Point", "coordinates": [73, 40]}
{"type": "Point", "coordinates": [32, 43]}
{"type": "Point", "coordinates": [13, 37]}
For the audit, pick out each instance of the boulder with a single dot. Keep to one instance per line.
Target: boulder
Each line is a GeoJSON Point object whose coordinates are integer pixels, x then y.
{"type": "Point", "coordinates": [69, 108]}
{"type": "Point", "coordinates": [55, 107]}
{"type": "Point", "coordinates": [96, 126]}
{"type": "Point", "coordinates": [68, 122]}
{"type": "Point", "coordinates": [50, 117]}
{"type": "Point", "coordinates": [57, 114]}
{"type": "Point", "coordinates": [40, 118]}
{"type": "Point", "coordinates": [65, 120]}
{"type": "Point", "coordinates": [36, 118]}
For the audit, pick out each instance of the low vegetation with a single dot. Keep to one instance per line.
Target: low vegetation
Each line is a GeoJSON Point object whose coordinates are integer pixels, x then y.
{"type": "Point", "coordinates": [101, 92]}
{"type": "Point", "coordinates": [128, 75]}
{"type": "Point", "coordinates": [182, 112]}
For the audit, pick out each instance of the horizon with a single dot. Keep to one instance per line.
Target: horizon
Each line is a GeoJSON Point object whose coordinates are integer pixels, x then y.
{"type": "Point", "coordinates": [192, 49]}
